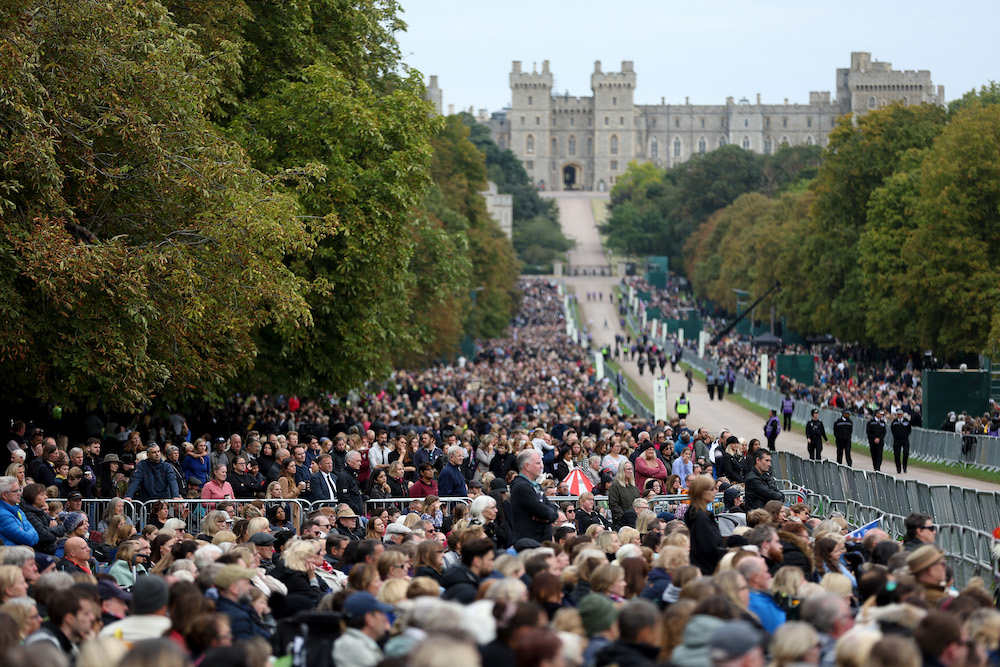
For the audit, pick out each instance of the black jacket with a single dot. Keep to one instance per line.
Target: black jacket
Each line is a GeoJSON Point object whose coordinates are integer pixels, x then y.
{"type": "Point", "coordinates": [349, 492]}
{"type": "Point", "coordinates": [532, 514]}
{"type": "Point", "coordinates": [815, 431]}
{"type": "Point", "coordinates": [427, 571]}
{"type": "Point", "coordinates": [843, 429]}
{"type": "Point", "coordinates": [47, 535]}
{"type": "Point", "coordinates": [900, 431]}
{"type": "Point", "coordinates": [876, 429]}
{"type": "Point", "coordinates": [707, 546]}
{"type": "Point", "coordinates": [730, 468]}
{"type": "Point", "coordinates": [627, 654]}
{"type": "Point", "coordinates": [301, 595]}
{"type": "Point", "coordinates": [460, 584]}
{"type": "Point", "coordinates": [760, 489]}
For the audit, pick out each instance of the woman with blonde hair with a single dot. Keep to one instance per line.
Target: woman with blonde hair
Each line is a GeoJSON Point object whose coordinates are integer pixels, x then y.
{"type": "Point", "coordinates": [393, 591]}
{"type": "Point", "coordinates": [794, 642]}
{"type": "Point", "coordinates": [393, 565]}
{"type": "Point", "coordinates": [117, 531]}
{"type": "Point", "coordinates": [12, 583]}
{"type": "Point", "coordinates": [214, 521]}
{"type": "Point", "coordinates": [173, 527]}
{"type": "Point", "coordinates": [24, 611]}
{"type": "Point", "coordinates": [622, 491]}
{"type": "Point", "coordinates": [609, 543]}
{"type": "Point", "coordinates": [16, 470]}
{"type": "Point", "coordinates": [838, 584]}
{"type": "Point", "coordinates": [642, 521]}
{"type": "Point", "coordinates": [735, 588]}
{"type": "Point", "coordinates": [785, 586]}
{"type": "Point", "coordinates": [297, 571]}
{"type": "Point", "coordinates": [707, 546]}
{"type": "Point", "coordinates": [131, 560]}
{"type": "Point", "coordinates": [609, 580]}
{"type": "Point", "coordinates": [364, 577]}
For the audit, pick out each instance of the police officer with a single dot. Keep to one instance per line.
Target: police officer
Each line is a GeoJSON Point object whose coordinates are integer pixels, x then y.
{"type": "Point", "coordinates": [843, 429]}
{"type": "Point", "coordinates": [771, 430]}
{"type": "Point", "coordinates": [710, 384]}
{"type": "Point", "coordinates": [815, 435]}
{"type": "Point", "coordinates": [682, 406]}
{"type": "Point", "coordinates": [787, 408]}
{"type": "Point", "coordinates": [901, 440]}
{"type": "Point", "coordinates": [876, 437]}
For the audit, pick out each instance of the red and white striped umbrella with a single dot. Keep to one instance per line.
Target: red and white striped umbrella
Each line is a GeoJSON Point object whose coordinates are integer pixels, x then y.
{"type": "Point", "coordinates": [578, 483]}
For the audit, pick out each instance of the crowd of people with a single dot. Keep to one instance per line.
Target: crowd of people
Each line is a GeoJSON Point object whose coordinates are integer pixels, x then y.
{"type": "Point", "coordinates": [847, 377]}
{"type": "Point", "coordinates": [500, 512]}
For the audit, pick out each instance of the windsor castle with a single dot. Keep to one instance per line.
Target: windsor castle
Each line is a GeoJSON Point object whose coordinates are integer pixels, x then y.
{"type": "Point", "coordinates": [585, 143]}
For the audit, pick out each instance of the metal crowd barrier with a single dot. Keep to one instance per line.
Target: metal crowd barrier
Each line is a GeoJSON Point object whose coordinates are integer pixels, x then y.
{"type": "Point", "coordinates": [965, 517]}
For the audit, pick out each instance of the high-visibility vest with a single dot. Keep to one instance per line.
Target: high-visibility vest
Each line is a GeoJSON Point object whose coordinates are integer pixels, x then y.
{"type": "Point", "coordinates": [682, 406]}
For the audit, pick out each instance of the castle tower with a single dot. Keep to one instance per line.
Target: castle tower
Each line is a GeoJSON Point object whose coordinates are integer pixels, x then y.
{"type": "Point", "coordinates": [614, 123]}
{"type": "Point", "coordinates": [530, 121]}
{"type": "Point", "coordinates": [435, 95]}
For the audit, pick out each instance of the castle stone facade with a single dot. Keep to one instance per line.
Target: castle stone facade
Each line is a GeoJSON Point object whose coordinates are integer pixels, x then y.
{"type": "Point", "coordinates": [587, 142]}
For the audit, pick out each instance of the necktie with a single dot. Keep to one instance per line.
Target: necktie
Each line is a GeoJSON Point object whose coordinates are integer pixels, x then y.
{"type": "Point", "coordinates": [329, 484]}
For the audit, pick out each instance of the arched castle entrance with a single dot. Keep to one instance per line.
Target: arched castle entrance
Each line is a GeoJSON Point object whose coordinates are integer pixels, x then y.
{"type": "Point", "coordinates": [572, 177]}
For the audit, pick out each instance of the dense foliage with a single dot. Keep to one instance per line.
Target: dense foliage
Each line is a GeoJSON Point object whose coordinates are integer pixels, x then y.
{"type": "Point", "coordinates": [199, 193]}
{"type": "Point", "coordinates": [894, 243]}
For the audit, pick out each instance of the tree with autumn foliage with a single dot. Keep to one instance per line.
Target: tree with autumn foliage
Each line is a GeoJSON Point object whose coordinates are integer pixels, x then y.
{"type": "Point", "coordinates": [141, 247]}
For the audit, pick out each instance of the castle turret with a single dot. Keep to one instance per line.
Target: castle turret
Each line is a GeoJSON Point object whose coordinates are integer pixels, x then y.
{"type": "Point", "coordinates": [530, 120]}
{"type": "Point", "coordinates": [614, 122]}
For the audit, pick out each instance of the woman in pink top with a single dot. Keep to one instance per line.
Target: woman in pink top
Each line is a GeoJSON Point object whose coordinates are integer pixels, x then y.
{"type": "Point", "coordinates": [217, 488]}
{"type": "Point", "coordinates": [649, 466]}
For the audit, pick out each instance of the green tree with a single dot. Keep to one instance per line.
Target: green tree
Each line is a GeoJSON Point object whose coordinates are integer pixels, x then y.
{"type": "Point", "coordinates": [141, 249]}
{"type": "Point", "coordinates": [953, 271]}
{"type": "Point", "coordinates": [986, 95]}
{"type": "Point", "coordinates": [859, 158]}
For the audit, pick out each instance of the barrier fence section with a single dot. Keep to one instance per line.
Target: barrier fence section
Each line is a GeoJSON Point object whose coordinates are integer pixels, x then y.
{"type": "Point", "coordinates": [965, 517]}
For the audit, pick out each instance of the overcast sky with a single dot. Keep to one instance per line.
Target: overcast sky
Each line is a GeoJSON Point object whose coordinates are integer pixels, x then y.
{"type": "Point", "coordinates": [702, 50]}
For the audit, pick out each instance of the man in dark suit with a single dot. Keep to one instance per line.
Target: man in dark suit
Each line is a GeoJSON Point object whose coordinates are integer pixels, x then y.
{"type": "Point", "coordinates": [533, 514]}
{"type": "Point", "coordinates": [347, 483]}
{"type": "Point", "coordinates": [323, 484]}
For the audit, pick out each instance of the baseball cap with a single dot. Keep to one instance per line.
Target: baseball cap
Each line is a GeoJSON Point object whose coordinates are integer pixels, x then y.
{"type": "Point", "coordinates": [361, 603]}
{"type": "Point", "coordinates": [75, 495]}
{"type": "Point", "coordinates": [108, 589]}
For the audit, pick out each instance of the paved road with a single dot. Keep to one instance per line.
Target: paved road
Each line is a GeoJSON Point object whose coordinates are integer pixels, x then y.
{"type": "Point", "coordinates": [578, 222]}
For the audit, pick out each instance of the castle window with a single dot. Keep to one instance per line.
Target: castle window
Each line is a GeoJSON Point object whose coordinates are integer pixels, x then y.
{"type": "Point", "coordinates": [784, 122]}
{"type": "Point", "coordinates": [614, 101]}
{"type": "Point", "coordinates": [871, 102]}
{"type": "Point", "coordinates": [555, 147]}
{"type": "Point", "coordinates": [529, 100]}
{"type": "Point", "coordinates": [701, 145]}
{"type": "Point", "coordinates": [784, 141]}
{"type": "Point", "coordinates": [522, 120]}
{"type": "Point", "coordinates": [809, 122]}
{"type": "Point", "coordinates": [501, 142]}
{"type": "Point", "coordinates": [614, 144]}
{"type": "Point", "coordinates": [538, 120]}
{"type": "Point", "coordinates": [767, 122]}
{"type": "Point", "coordinates": [529, 164]}
{"type": "Point", "coordinates": [571, 145]}
{"type": "Point", "coordinates": [621, 120]}
{"type": "Point", "coordinates": [767, 146]}
{"type": "Point", "coordinates": [809, 140]}
{"type": "Point", "coordinates": [654, 122]}
{"type": "Point", "coordinates": [590, 146]}
{"type": "Point", "coordinates": [677, 147]}
{"type": "Point", "coordinates": [614, 165]}
{"type": "Point", "coordinates": [529, 144]}
{"type": "Point", "coordinates": [605, 121]}
{"type": "Point", "coordinates": [746, 122]}
{"type": "Point", "coordinates": [654, 147]}
{"type": "Point", "coordinates": [677, 122]}
{"type": "Point", "coordinates": [722, 142]}
{"type": "Point", "coordinates": [746, 143]}
{"type": "Point", "coordinates": [703, 122]}
{"type": "Point", "coordinates": [906, 102]}
{"type": "Point", "coordinates": [571, 123]}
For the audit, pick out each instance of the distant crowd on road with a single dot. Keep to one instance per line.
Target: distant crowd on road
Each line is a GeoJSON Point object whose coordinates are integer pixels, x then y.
{"type": "Point", "coordinates": [502, 511]}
